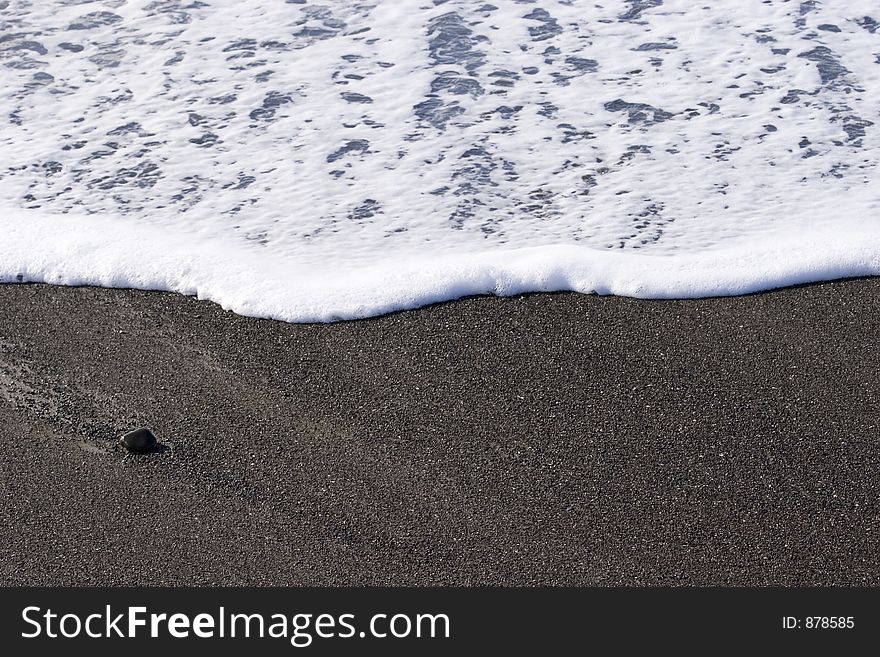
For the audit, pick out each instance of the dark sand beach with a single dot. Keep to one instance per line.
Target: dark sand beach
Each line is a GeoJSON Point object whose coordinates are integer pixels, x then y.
{"type": "Point", "coordinates": [554, 439]}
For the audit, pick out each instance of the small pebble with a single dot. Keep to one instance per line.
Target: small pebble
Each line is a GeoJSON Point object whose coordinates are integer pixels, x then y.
{"type": "Point", "coordinates": [139, 440]}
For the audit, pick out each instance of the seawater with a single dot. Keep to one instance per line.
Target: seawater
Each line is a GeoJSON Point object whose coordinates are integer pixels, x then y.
{"type": "Point", "coordinates": [315, 161]}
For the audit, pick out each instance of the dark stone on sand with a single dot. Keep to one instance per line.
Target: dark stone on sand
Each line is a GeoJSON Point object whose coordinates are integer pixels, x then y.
{"type": "Point", "coordinates": [139, 440]}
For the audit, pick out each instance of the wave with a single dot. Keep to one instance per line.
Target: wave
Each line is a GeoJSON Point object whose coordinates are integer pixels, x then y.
{"type": "Point", "coordinates": [312, 161]}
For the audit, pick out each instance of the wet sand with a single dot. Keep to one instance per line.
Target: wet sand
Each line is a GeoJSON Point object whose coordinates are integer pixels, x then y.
{"type": "Point", "coordinates": [553, 439]}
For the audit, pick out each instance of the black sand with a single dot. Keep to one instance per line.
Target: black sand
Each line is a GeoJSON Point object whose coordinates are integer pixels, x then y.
{"type": "Point", "coordinates": [551, 439]}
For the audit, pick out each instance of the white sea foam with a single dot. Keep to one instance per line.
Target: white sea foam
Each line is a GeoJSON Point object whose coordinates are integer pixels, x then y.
{"type": "Point", "coordinates": [317, 161]}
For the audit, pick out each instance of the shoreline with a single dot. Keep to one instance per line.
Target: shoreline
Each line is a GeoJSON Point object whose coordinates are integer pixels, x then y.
{"type": "Point", "coordinates": [548, 439]}
{"type": "Point", "coordinates": [96, 250]}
